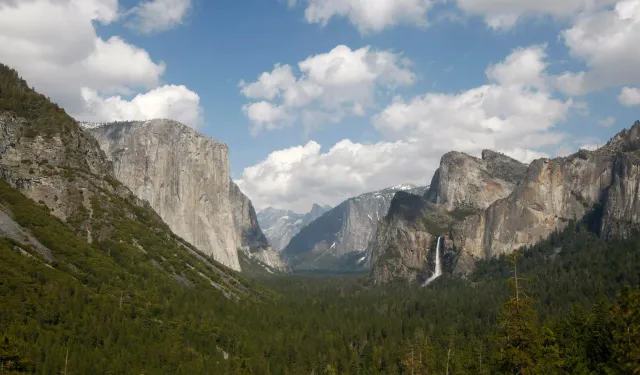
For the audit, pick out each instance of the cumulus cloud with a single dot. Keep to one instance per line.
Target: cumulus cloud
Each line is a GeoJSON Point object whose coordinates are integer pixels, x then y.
{"type": "Point", "coordinates": [629, 96]}
{"type": "Point", "coordinates": [54, 46]}
{"type": "Point", "coordinates": [504, 14]}
{"type": "Point", "coordinates": [158, 15]}
{"type": "Point", "coordinates": [606, 40]}
{"type": "Point", "coordinates": [514, 113]}
{"type": "Point", "coordinates": [329, 86]}
{"type": "Point", "coordinates": [170, 101]}
{"type": "Point", "coordinates": [369, 16]}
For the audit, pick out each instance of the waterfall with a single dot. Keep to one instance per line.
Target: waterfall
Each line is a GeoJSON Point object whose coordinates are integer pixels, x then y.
{"type": "Point", "coordinates": [437, 272]}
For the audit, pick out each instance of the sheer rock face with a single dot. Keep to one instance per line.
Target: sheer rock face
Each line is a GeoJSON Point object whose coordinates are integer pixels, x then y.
{"type": "Point", "coordinates": [185, 177]}
{"type": "Point", "coordinates": [552, 193]}
{"type": "Point", "coordinates": [462, 186]}
{"type": "Point", "coordinates": [463, 181]}
{"type": "Point", "coordinates": [280, 226]}
{"type": "Point", "coordinates": [604, 183]}
{"type": "Point", "coordinates": [345, 230]}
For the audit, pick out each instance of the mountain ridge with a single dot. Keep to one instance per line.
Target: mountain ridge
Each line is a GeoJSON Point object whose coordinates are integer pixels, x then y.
{"type": "Point", "coordinates": [281, 225]}
{"type": "Point", "coordinates": [339, 239]}
{"type": "Point", "coordinates": [508, 207]}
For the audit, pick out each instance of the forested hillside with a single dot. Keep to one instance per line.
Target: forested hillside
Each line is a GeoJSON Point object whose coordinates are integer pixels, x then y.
{"type": "Point", "coordinates": [114, 322]}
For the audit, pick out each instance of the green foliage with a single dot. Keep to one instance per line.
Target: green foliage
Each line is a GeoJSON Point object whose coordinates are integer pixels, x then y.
{"type": "Point", "coordinates": [17, 98]}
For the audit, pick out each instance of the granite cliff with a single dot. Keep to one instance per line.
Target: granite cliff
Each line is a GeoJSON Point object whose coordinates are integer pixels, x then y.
{"type": "Point", "coordinates": [600, 186]}
{"type": "Point", "coordinates": [279, 226]}
{"type": "Point", "coordinates": [403, 244]}
{"type": "Point", "coordinates": [340, 238]}
{"type": "Point", "coordinates": [496, 205]}
{"type": "Point", "coordinates": [185, 177]}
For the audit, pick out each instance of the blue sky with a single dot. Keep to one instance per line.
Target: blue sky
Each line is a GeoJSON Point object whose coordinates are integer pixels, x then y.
{"type": "Point", "coordinates": [368, 118]}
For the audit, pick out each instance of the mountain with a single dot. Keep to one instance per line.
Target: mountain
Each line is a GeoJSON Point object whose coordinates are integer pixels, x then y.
{"type": "Point", "coordinates": [185, 176]}
{"type": "Point", "coordinates": [45, 155]}
{"type": "Point", "coordinates": [495, 205]}
{"type": "Point", "coordinates": [339, 239]}
{"type": "Point", "coordinates": [281, 225]}
{"type": "Point", "coordinates": [600, 186]}
{"type": "Point", "coordinates": [404, 244]}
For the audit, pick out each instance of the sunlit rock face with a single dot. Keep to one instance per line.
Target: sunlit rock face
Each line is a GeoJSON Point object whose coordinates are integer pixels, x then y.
{"type": "Point", "coordinates": [185, 176]}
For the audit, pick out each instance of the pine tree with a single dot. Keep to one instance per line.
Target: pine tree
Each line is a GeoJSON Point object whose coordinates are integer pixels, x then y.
{"type": "Point", "coordinates": [625, 330]}
{"type": "Point", "coordinates": [525, 349]}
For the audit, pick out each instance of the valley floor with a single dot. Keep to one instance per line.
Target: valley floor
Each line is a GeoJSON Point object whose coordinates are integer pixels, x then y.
{"type": "Point", "coordinates": [582, 320]}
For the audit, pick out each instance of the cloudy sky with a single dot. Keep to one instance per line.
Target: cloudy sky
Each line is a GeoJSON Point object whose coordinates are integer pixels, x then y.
{"type": "Point", "coordinates": [320, 100]}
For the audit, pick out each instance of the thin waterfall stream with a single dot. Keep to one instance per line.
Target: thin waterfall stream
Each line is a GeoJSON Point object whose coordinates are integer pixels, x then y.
{"type": "Point", "coordinates": [437, 272]}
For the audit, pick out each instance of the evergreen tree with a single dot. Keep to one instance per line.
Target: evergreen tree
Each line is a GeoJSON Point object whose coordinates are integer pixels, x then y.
{"type": "Point", "coordinates": [625, 331]}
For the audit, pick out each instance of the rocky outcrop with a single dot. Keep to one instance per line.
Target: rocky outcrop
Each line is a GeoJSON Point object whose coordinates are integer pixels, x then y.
{"type": "Point", "coordinates": [342, 234]}
{"type": "Point", "coordinates": [462, 186]}
{"type": "Point", "coordinates": [496, 206]}
{"type": "Point", "coordinates": [463, 181]}
{"type": "Point", "coordinates": [185, 177]}
{"type": "Point", "coordinates": [279, 226]}
{"type": "Point", "coordinates": [604, 183]}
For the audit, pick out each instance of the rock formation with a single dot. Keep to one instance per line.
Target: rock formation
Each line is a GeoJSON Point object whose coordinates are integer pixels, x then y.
{"type": "Point", "coordinates": [185, 176]}
{"type": "Point", "coordinates": [496, 206]}
{"type": "Point", "coordinates": [461, 186]}
{"type": "Point", "coordinates": [279, 226]}
{"type": "Point", "coordinates": [340, 237]}
{"type": "Point", "coordinates": [463, 181]}
{"type": "Point", "coordinates": [555, 191]}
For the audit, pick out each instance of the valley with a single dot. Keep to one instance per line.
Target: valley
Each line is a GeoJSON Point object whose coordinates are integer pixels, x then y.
{"type": "Point", "coordinates": [126, 247]}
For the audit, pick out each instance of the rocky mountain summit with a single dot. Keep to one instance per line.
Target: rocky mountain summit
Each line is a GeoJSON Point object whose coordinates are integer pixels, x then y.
{"type": "Point", "coordinates": [339, 239]}
{"type": "Point", "coordinates": [185, 177]}
{"type": "Point", "coordinates": [279, 226]}
{"type": "Point", "coordinates": [495, 205]}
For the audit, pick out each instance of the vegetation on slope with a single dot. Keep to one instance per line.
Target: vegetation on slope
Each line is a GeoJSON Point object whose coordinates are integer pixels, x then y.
{"type": "Point", "coordinates": [125, 322]}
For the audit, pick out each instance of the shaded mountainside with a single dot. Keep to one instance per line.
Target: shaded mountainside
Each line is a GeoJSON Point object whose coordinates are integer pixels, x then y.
{"type": "Point", "coordinates": [495, 206]}
{"type": "Point", "coordinates": [280, 225]}
{"type": "Point", "coordinates": [185, 177]}
{"type": "Point", "coordinates": [339, 239]}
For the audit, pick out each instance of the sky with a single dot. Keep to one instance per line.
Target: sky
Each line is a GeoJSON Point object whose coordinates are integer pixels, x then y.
{"type": "Point", "coordinates": [322, 100]}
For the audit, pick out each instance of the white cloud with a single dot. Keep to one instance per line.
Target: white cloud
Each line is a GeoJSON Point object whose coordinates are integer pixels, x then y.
{"type": "Point", "coordinates": [330, 86]}
{"type": "Point", "coordinates": [369, 16]}
{"type": "Point", "coordinates": [629, 96]}
{"type": "Point", "coordinates": [524, 67]}
{"type": "Point", "coordinates": [53, 44]}
{"type": "Point", "coordinates": [159, 15]}
{"type": "Point", "coordinates": [513, 113]}
{"type": "Point", "coordinates": [174, 102]}
{"type": "Point", "coordinates": [266, 115]}
{"type": "Point", "coordinates": [606, 40]}
{"type": "Point", "coordinates": [608, 121]}
{"type": "Point", "coordinates": [504, 14]}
